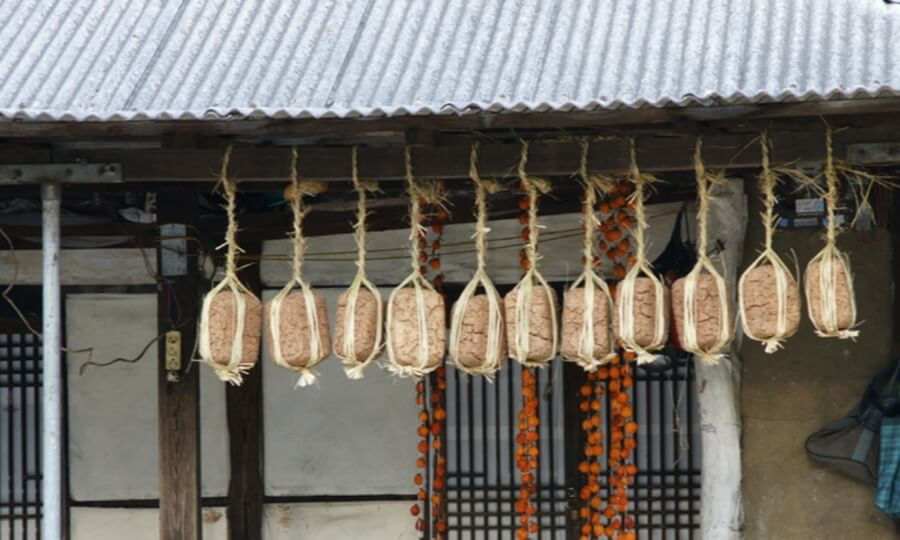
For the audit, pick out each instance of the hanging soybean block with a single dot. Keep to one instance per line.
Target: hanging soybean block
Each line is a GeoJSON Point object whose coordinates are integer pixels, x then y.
{"type": "Point", "coordinates": [541, 342]}
{"type": "Point", "coordinates": [297, 316]}
{"type": "Point", "coordinates": [531, 325]}
{"type": "Point", "coordinates": [574, 320]}
{"type": "Point", "coordinates": [474, 337]}
{"type": "Point", "coordinates": [416, 322]}
{"type": "Point", "coordinates": [762, 302]}
{"type": "Point", "coordinates": [642, 300]}
{"type": "Point", "coordinates": [294, 329]}
{"type": "Point", "coordinates": [359, 322]}
{"type": "Point", "coordinates": [411, 323]}
{"type": "Point", "coordinates": [711, 323]}
{"type": "Point", "coordinates": [364, 337]}
{"type": "Point", "coordinates": [230, 316]}
{"type": "Point", "coordinates": [702, 307]}
{"type": "Point", "coordinates": [222, 321]}
{"type": "Point", "coordinates": [768, 293]}
{"type": "Point", "coordinates": [832, 307]}
{"type": "Point", "coordinates": [649, 327]}
{"type": "Point", "coordinates": [477, 335]}
{"type": "Point", "coordinates": [831, 301]}
{"type": "Point", "coordinates": [587, 306]}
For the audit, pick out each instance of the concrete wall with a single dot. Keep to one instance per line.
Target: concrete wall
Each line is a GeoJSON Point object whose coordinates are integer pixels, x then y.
{"type": "Point", "coordinates": [812, 382]}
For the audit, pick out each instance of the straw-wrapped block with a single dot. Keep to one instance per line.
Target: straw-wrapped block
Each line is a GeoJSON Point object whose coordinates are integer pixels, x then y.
{"type": "Point", "coordinates": [222, 324]}
{"type": "Point", "coordinates": [645, 312]}
{"type": "Point", "coordinates": [404, 330]}
{"type": "Point", "coordinates": [574, 320]}
{"type": "Point", "coordinates": [294, 330]}
{"type": "Point", "coordinates": [759, 294]}
{"type": "Point", "coordinates": [365, 322]}
{"type": "Point", "coordinates": [707, 308]}
{"type": "Point", "coordinates": [473, 335]}
{"type": "Point", "coordinates": [843, 307]}
{"type": "Point", "coordinates": [540, 325]}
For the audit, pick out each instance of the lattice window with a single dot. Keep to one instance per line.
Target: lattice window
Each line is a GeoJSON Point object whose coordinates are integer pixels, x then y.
{"type": "Point", "coordinates": [20, 456]}
{"type": "Point", "coordinates": [482, 482]}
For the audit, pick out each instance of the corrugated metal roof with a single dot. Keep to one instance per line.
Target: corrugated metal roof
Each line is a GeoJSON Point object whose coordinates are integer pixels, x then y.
{"type": "Point", "coordinates": [161, 59]}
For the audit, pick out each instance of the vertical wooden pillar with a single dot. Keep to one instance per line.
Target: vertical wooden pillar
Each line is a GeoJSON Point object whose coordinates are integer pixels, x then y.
{"type": "Point", "coordinates": [179, 401]}
{"type": "Point", "coordinates": [244, 406]}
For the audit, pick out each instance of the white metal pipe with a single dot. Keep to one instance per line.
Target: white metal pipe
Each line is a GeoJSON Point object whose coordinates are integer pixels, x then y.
{"type": "Point", "coordinates": [51, 405]}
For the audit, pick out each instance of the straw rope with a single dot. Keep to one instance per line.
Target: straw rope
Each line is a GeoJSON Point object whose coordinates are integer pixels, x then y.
{"type": "Point", "coordinates": [523, 292]}
{"type": "Point", "coordinates": [236, 368]}
{"type": "Point", "coordinates": [625, 291]}
{"type": "Point", "coordinates": [415, 279]}
{"type": "Point", "coordinates": [717, 351]}
{"type": "Point", "coordinates": [317, 349]}
{"type": "Point", "coordinates": [353, 365]}
{"type": "Point", "coordinates": [494, 350]}
{"type": "Point", "coordinates": [589, 280]}
{"type": "Point", "coordinates": [830, 259]}
{"type": "Point", "coordinates": [784, 279]}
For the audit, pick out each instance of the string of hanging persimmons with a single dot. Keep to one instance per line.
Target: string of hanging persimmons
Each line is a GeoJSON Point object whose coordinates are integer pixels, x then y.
{"type": "Point", "coordinates": [604, 328]}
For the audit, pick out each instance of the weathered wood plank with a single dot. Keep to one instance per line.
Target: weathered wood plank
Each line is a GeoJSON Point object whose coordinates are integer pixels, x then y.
{"type": "Point", "coordinates": [179, 402]}
{"type": "Point", "coordinates": [655, 154]}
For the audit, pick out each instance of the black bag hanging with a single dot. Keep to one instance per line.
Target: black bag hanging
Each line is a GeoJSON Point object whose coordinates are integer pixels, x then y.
{"type": "Point", "coordinates": [851, 445]}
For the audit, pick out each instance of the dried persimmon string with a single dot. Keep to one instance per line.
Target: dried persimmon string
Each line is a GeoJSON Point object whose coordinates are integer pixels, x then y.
{"type": "Point", "coordinates": [591, 394]}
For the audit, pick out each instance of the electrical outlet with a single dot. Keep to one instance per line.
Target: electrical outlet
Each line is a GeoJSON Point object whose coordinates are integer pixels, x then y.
{"type": "Point", "coordinates": [173, 351]}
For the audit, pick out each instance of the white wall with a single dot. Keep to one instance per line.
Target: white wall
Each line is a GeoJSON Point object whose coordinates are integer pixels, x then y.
{"type": "Point", "coordinates": [330, 259]}
{"type": "Point", "coordinates": [363, 520]}
{"type": "Point", "coordinates": [81, 266]}
{"type": "Point", "coordinates": [113, 420]}
{"type": "Point", "coordinates": [136, 524]}
{"type": "Point", "coordinates": [340, 437]}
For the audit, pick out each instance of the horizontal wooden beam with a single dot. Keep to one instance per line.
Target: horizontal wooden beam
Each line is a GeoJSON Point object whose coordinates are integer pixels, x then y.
{"type": "Point", "coordinates": [19, 129]}
{"type": "Point", "coordinates": [251, 163]}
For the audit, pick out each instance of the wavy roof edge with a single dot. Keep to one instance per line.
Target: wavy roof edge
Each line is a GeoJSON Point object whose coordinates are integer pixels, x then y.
{"type": "Point", "coordinates": [449, 109]}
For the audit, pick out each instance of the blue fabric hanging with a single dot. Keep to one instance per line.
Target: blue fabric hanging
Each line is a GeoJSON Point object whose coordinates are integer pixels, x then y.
{"type": "Point", "coordinates": [887, 496]}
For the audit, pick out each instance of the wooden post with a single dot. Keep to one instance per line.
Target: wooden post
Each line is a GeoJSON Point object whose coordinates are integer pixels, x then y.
{"type": "Point", "coordinates": [179, 401]}
{"type": "Point", "coordinates": [244, 406]}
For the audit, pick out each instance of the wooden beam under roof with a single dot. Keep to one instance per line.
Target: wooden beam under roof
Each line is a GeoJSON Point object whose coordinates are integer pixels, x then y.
{"type": "Point", "coordinates": [658, 154]}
